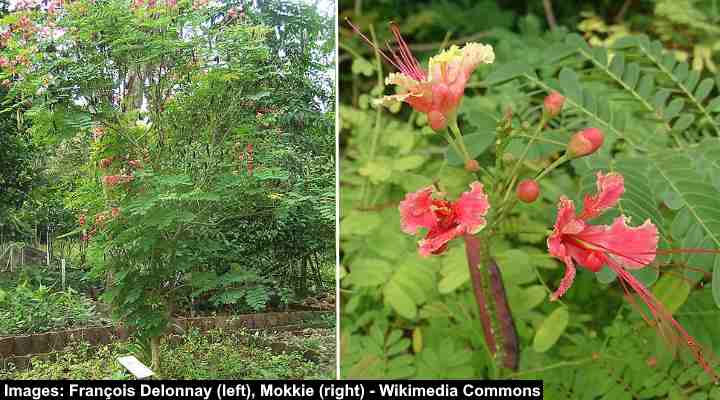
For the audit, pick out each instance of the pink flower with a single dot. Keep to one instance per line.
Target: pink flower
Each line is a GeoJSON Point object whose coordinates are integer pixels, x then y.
{"type": "Point", "coordinates": [574, 240]}
{"type": "Point", "coordinates": [438, 91]}
{"type": "Point", "coordinates": [4, 62]}
{"type": "Point", "coordinates": [54, 5]}
{"type": "Point", "coordinates": [232, 13]}
{"type": "Point", "coordinates": [106, 162]}
{"type": "Point", "coordinates": [98, 132]}
{"type": "Point", "coordinates": [444, 220]}
{"type": "Point", "coordinates": [81, 219]}
{"type": "Point", "coordinates": [135, 164]}
{"type": "Point", "coordinates": [113, 180]}
{"type": "Point", "coordinates": [171, 3]}
{"type": "Point", "coordinates": [115, 211]}
{"type": "Point", "coordinates": [100, 219]}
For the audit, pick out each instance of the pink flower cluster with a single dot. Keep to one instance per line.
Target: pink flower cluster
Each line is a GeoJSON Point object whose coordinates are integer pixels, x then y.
{"type": "Point", "coordinates": [445, 220]}
{"type": "Point", "coordinates": [25, 4]}
{"type": "Point", "coordinates": [114, 180]}
{"type": "Point", "coordinates": [54, 5]}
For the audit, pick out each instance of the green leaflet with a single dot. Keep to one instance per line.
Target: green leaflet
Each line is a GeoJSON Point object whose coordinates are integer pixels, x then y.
{"type": "Point", "coordinates": [550, 330]}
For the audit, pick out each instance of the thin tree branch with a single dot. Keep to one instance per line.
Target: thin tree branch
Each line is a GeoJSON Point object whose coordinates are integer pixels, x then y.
{"type": "Point", "coordinates": [549, 14]}
{"type": "Point", "coordinates": [623, 10]}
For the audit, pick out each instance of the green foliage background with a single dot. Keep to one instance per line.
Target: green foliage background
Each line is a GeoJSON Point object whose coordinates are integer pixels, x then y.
{"type": "Point", "coordinates": [405, 316]}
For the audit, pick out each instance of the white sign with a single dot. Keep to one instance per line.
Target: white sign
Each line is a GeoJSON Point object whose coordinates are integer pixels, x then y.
{"type": "Point", "coordinates": [62, 273]}
{"type": "Point", "coordinates": [136, 367]}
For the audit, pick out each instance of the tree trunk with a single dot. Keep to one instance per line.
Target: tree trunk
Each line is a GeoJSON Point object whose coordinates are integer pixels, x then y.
{"type": "Point", "coordinates": [155, 351]}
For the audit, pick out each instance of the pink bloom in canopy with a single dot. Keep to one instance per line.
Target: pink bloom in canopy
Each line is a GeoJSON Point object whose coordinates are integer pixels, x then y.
{"type": "Point", "coordinates": [575, 240]}
{"type": "Point", "coordinates": [444, 219]}
{"type": "Point", "coordinates": [438, 91]}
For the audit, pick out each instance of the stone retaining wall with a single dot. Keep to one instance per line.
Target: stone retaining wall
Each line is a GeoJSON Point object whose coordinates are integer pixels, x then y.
{"type": "Point", "coordinates": [18, 350]}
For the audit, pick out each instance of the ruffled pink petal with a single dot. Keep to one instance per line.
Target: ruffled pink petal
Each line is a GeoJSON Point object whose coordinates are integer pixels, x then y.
{"type": "Point", "coordinates": [470, 209]}
{"type": "Point", "coordinates": [565, 222]}
{"type": "Point", "coordinates": [610, 188]}
{"type": "Point", "coordinates": [416, 211]}
{"type": "Point", "coordinates": [566, 281]}
{"type": "Point", "coordinates": [436, 240]}
{"type": "Point", "coordinates": [633, 248]}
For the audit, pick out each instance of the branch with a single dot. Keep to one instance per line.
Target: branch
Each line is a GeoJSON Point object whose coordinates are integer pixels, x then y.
{"type": "Point", "coordinates": [623, 10]}
{"type": "Point", "coordinates": [549, 15]}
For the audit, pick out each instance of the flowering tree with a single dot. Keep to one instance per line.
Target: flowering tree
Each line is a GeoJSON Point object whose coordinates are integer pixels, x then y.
{"type": "Point", "coordinates": [180, 109]}
{"type": "Point", "coordinates": [514, 146]}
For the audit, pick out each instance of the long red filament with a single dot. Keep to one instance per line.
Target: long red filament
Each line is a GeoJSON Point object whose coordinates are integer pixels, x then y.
{"type": "Point", "coordinates": [403, 60]}
{"type": "Point", "coordinates": [662, 315]}
{"type": "Point", "coordinates": [412, 65]}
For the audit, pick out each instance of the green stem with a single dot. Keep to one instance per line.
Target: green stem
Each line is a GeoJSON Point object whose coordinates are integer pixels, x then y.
{"type": "Point", "coordinates": [452, 143]}
{"type": "Point", "coordinates": [525, 152]}
{"type": "Point", "coordinates": [459, 137]}
{"type": "Point", "coordinates": [552, 166]}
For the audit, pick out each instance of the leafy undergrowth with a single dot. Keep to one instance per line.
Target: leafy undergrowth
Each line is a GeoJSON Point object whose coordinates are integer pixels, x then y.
{"type": "Point", "coordinates": [216, 355]}
{"type": "Point", "coordinates": [320, 341]}
{"type": "Point", "coordinates": [36, 309]}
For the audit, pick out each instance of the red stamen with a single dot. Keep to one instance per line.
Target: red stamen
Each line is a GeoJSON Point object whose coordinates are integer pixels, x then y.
{"type": "Point", "coordinates": [691, 250]}
{"type": "Point", "coordinates": [403, 60]}
{"type": "Point", "coordinates": [662, 315]}
{"type": "Point", "coordinates": [410, 63]}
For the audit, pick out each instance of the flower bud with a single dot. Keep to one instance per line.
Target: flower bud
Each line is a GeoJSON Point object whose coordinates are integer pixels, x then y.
{"type": "Point", "coordinates": [584, 142]}
{"type": "Point", "coordinates": [437, 120]}
{"type": "Point", "coordinates": [528, 190]}
{"type": "Point", "coordinates": [553, 104]}
{"type": "Point", "coordinates": [472, 166]}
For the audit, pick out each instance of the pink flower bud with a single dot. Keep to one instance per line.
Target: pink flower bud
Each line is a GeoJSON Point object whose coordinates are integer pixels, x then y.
{"type": "Point", "coordinates": [472, 166]}
{"type": "Point", "coordinates": [585, 142]}
{"type": "Point", "coordinates": [437, 120]}
{"type": "Point", "coordinates": [528, 190]}
{"type": "Point", "coordinates": [553, 103]}
{"type": "Point", "coordinates": [81, 219]}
